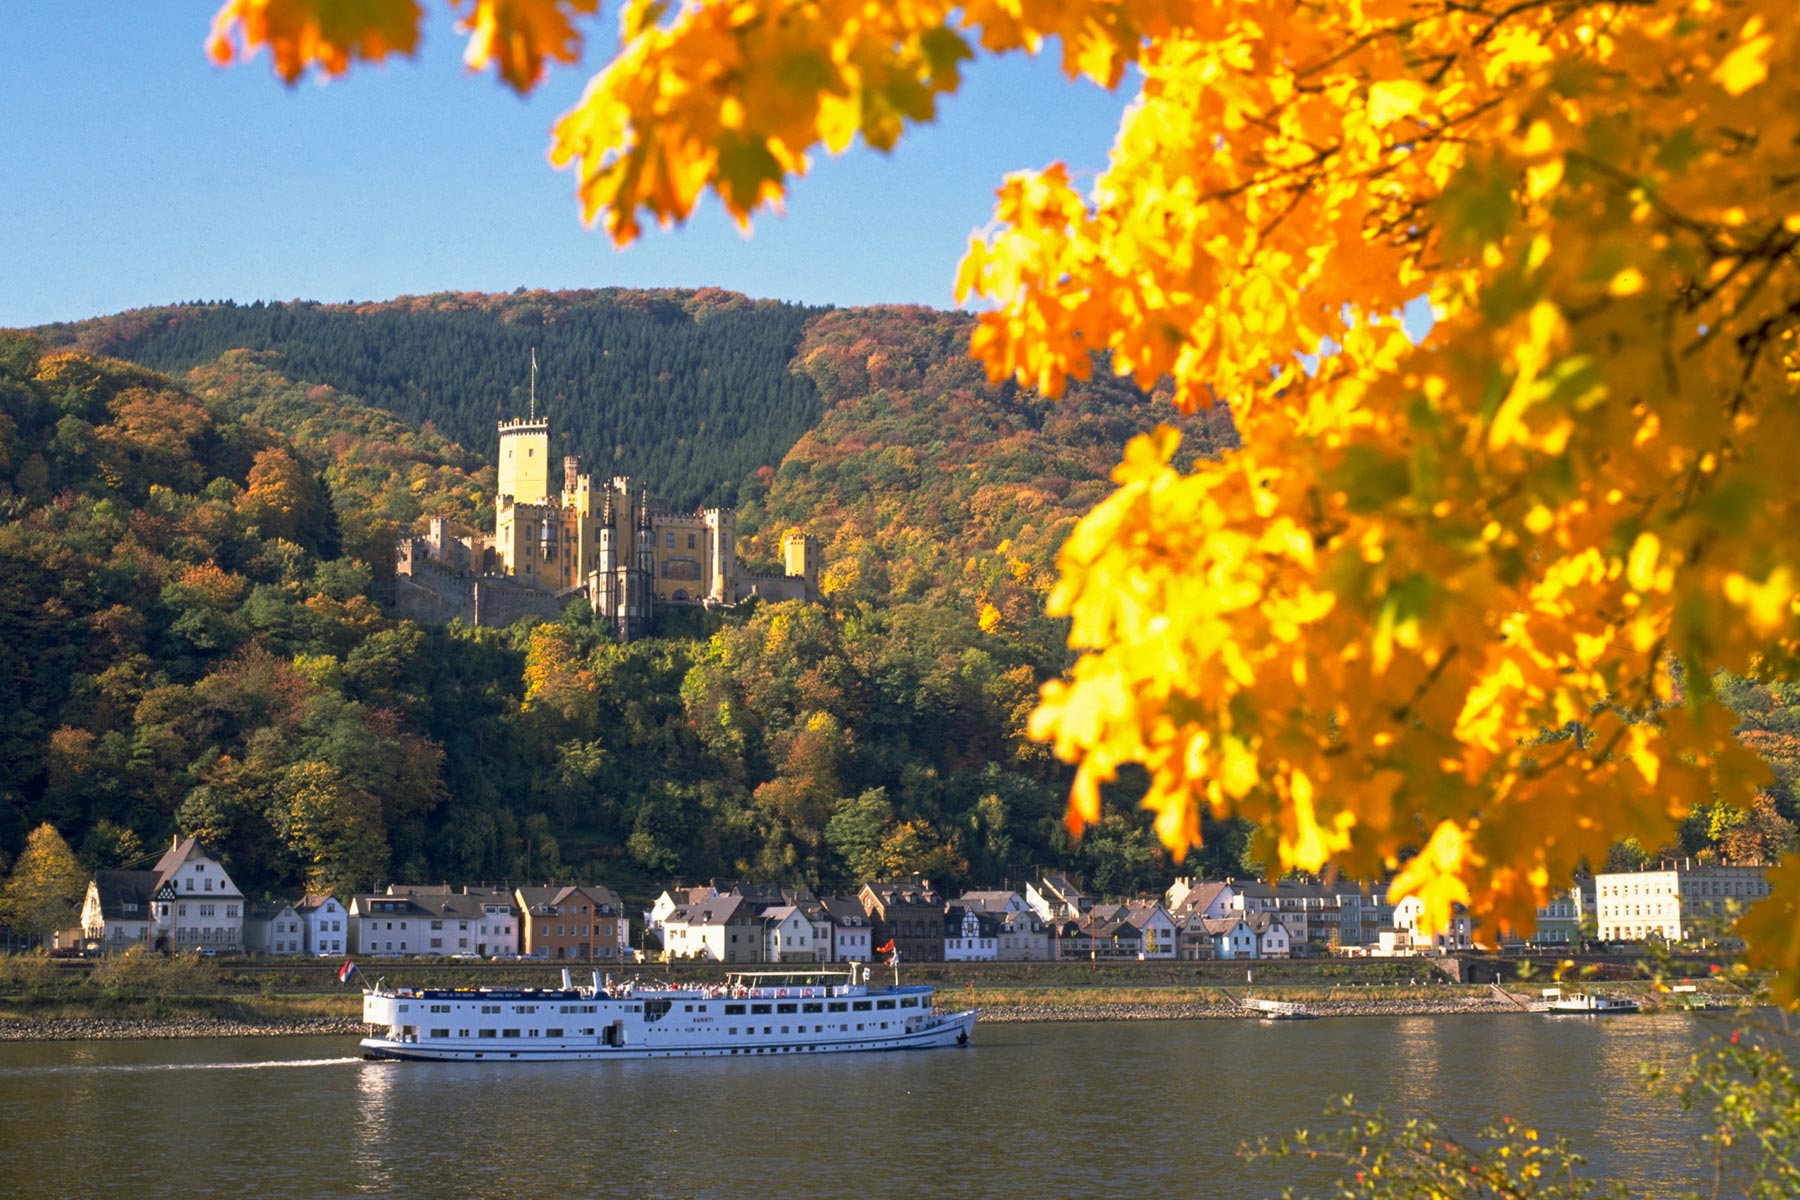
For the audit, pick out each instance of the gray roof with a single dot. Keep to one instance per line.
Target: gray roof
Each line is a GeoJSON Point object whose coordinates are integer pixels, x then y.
{"type": "Point", "coordinates": [718, 910]}
{"type": "Point", "coordinates": [181, 850]}
{"type": "Point", "coordinates": [993, 902]}
{"type": "Point", "coordinates": [541, 900]}
{"type": "Point", "coordinates": [1141, 912]}
{"type": "Point", "coordinates": [843, 911]}
{"type": "Point", "coordinates": [1062, 888]}
{"type": "Point", "coordinates": [905, 893]}
{"type": "Point", "coordinates": [771, 895]}
{"type": "Point", "coordinates": [266, 910]}
{"type": "Point", "coordinates": [1201, 896]}
{"type": "Point", "coordinates": [119, 888]}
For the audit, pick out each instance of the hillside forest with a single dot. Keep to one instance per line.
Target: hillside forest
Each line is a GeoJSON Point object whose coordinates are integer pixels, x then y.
{"type": "Point", "coordinates": [192, 636]}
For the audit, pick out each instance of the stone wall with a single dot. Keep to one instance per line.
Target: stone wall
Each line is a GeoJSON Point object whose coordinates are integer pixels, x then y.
{"type": "Point", "coordinates": [431, 595]}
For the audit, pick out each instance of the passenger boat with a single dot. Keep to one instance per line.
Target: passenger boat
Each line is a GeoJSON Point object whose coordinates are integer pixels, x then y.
{"type": "Point", "coordinates": [760, 1012]}
{"type": "Point", "coordinates": [1587, 1004]}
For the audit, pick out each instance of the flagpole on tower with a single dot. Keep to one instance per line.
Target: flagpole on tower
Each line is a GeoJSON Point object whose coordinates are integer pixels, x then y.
{"type": "Point", "coordinates": [534, 383]}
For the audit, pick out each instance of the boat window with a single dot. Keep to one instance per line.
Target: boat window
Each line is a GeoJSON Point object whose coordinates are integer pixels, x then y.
{"type": "Point", "coordinates": [553, 1033]}
{"type": "Point", "coordinates": [787, 1008]}
{"type": "Point", "coordinates": [487, 1033]}
{"type": "Point", "coordinates": [814, 1007]}
{"type": "Point", "coordinates": [511, 1033]}
{"type": "Point", "coordinates": [734, 1010]}
{"type": "Point", "coordinates": [759, 1008]}
{"type": "Point", "coordinates": [884, 1004]}
{"type": "Point", "coordinates": [910, 1002]}
{"type": "Point", "coordinates": [861, 1006]}
{"type": "Point", "coordinates": [440, 1033]}
{"type": "Point", "coordinates": [840, 1006]}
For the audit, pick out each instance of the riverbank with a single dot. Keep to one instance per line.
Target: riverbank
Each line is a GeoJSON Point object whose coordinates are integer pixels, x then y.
{"type": "Point", "coordinates": [218, 1016]}
{"type": "Point", "coordinates": [79, 1029]}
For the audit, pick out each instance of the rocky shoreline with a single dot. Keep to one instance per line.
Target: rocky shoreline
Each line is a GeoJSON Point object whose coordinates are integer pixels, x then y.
{"type": "Point", "coordinates": [53, 1029]}
{"type": "Point", "coordinates": [1014, 1014]}
{"type": "Point", "coordinates": [66, 1029]}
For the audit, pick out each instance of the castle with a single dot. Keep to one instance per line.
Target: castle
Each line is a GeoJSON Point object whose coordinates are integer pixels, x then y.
{"type": "Point", "coordinates": [603, 542]}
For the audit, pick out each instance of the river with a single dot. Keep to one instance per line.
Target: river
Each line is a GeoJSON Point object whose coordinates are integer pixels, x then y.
{"type": "Point", "coordinates": [1125, 1109]}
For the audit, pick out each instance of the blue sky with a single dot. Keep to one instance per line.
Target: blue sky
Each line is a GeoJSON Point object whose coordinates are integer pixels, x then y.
{"type": "Point", "coordinates": [137, 173]}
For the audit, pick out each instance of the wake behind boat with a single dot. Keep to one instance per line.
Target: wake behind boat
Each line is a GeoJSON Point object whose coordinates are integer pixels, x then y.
{"type": "Point", "coordinates": [762, 1012]}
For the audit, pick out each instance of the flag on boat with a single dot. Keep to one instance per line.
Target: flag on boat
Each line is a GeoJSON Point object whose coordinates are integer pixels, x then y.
{"type": "Point", "coordinates": [346, 971]}
{"type": "Point", "coordinates": [886, 947]}
{"type": "Point", "coordinates": [894, 958]}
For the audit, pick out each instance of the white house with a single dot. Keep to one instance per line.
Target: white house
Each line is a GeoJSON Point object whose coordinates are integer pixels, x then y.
{"type": "Point", "coordinates": [850, 930]}
{"type": "Point", "coordinates": [1273, 938]}
{"type": "Point", "coordinates": [996, 902]}
{"type": "Point", "coordinates": [185, 902]}
{"type": "Point", "coordinates": [1675, 904]}
{"type": "Point", "coordinates": [434, 921]}
{"type": "Point", "coordinates": [788, 935]}
{"type": "Point", "coordinates": [382, 924]}
{"type": "Point", "coordinates": [1232, 937]}
{"type": "Point", "coordinates": [1023, 937]}
{"type": "Point", "coordinates": [327, 922]}
{"type": "Point", "coordinates": [1160, 934]}
{"type": "Point", "coordinates": [1295, 904]}
{"type": "Point", "coordinates": [1054, 898]}
{"type": "Point", "coordinates": [970, 935]}
{"type": "Point", "coordinates": [1407, 916]}
{"type": "Point", "coordinates": [117, 912]}
{"type": "Point", "coordinates": [722, 928]}
{"type": "Point", "coordinates": [274, 929]}
{"type": "Point", "coordinates": [1197, 905]}
{"type": "Point", "coordinates": [673, 899]}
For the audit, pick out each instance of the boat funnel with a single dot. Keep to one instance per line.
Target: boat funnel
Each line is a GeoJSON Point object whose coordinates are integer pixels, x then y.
{"type": "Point", "coordinates": [567, 982]}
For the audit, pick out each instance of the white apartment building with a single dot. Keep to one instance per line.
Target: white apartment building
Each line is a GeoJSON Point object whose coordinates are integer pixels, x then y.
{"type": "Point", "coordinates": [1676, 903]}
{"type": "Point", "coordinates": [327, 925]}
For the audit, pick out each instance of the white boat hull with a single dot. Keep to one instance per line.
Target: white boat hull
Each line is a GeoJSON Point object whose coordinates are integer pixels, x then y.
{"type": "Point", "coordinates": [949, 1029]}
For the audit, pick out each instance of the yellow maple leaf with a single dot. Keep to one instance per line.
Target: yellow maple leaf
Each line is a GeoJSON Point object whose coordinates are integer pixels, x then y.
{"type": "Point", "coordinates": [302, 33]}
{"type": "Point", "coordinates": [519, 36]}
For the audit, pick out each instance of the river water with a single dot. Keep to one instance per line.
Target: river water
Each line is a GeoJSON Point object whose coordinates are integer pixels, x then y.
{"type": "Point", "coordinates": [1125, 1109]}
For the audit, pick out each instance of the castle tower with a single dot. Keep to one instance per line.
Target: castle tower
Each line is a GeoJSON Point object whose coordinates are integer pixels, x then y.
{"type": "Point", "coordinates": [721, 559]}
{"type": "Point", "coordinates": [525, 460]}
{"type": "Point", "coordinates": [800, 559]}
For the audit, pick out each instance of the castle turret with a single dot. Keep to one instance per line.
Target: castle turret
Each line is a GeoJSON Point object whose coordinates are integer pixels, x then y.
{"type": "Point", "coordinates": [721, 566]}
{"type": "Point", "coordinates": [525, 460]}
{"type": "Point", "coordinates": [800, 559]}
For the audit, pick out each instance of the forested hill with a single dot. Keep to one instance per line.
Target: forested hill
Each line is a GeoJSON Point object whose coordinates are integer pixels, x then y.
{"type": "Point", "coordinates": [689, 389]}
{"type": "Point", "coordinates": [190, 642]}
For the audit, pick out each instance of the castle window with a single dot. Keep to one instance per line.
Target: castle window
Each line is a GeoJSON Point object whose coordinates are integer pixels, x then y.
{"type": "Point", "coordinates": [671, 539]}
{"type": "Point", "coordinates": [690, 541]}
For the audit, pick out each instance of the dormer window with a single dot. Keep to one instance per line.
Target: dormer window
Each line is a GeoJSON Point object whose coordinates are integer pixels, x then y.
{"type": "Point", "coordinates": [190, 883]}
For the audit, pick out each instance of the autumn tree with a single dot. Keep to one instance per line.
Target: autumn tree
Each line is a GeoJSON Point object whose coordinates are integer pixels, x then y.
{"type": "Point", "coordinates": [44, 891]}
{"type": "Point", "coordinates": [1356, 629]}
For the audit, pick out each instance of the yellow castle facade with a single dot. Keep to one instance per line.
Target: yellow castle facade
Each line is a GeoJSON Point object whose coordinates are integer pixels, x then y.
{"type": "Point", "coordinates": [605, 541]}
